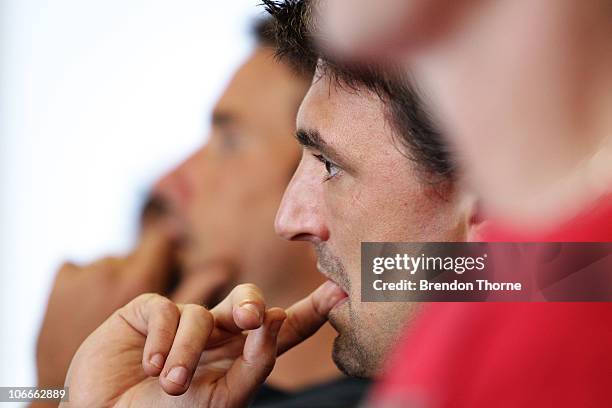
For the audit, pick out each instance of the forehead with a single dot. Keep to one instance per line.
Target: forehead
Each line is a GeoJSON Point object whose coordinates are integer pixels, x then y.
{"type": "Point", "coordinates": [262, 86]}
{"type": "Point", "coordinates": [354, 122]}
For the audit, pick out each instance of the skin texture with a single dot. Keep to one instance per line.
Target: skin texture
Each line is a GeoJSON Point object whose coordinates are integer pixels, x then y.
{"type": "Point", "coordinates": [371, 192]}
{"type": "Point", "coordinates": [215, 225]}
{"type": "Point", "coordinates": [146, 353]}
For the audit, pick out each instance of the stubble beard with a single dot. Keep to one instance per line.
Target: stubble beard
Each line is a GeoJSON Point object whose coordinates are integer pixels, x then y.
{"type": "Point", "coordinates": [349, 353]}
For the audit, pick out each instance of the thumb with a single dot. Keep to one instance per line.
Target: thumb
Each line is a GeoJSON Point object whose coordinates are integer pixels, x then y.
{"type": "Point", "coordinates": [203, 286]}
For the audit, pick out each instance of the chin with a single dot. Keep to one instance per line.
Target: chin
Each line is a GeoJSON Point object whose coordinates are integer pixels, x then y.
{"type": "Point", "coordinates": [350, 359]}
{"type": "Point", "coordinates": [353, 356]}
{"type": "Point", "coordinates": [339, 316]}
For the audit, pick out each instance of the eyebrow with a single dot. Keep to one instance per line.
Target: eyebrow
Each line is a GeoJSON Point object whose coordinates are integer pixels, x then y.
{"type": "Point", "coordinates": [312, 139]}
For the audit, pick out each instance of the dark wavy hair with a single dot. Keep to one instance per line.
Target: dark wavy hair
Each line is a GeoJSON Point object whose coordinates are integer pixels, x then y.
{"type": "Point", "coordinates": [415, 128]}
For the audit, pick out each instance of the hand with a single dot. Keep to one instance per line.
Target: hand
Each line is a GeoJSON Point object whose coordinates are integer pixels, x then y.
{"type": "Point", "coordinates": [84, 296]}
{"type": "Point", "coordinates": [199, 357]}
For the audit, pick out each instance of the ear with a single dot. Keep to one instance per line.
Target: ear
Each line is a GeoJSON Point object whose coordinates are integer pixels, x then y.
{"type": "Point", "coordinates": [477, 222]}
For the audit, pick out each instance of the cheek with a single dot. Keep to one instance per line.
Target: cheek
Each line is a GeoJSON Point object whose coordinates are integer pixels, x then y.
{"type": "Point", "coordinates": [247, 206]}
{"type": "Point", "coordinates": [241, 188]}
{"type": "Point", "coordinates": [345, 215]}
{"type": "Point", "coordinates": [379, 325]}
{"type": "Point", "coordinates": [372, 210]}
{"type": "Point", "coordinates": [216, 215]}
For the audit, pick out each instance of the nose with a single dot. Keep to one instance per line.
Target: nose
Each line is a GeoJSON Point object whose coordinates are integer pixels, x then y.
{"type": "Point", "coordinates": [176, 187]}
{"type": "Point", "coordinates": [300, 216]}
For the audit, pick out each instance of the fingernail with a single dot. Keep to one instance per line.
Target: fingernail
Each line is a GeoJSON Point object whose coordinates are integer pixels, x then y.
{"type": "Point", "coordinates": [157, 360]}
{"type": "Point", "coordinates": [275, 327]}
{"type": "Point", "coordinates": [253, 309]}
{"type": "Point", "coordinates": [178, 375]}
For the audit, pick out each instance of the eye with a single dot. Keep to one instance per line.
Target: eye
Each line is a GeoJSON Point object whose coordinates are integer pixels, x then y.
{"type": "Point", "coordinates": [330, 167]}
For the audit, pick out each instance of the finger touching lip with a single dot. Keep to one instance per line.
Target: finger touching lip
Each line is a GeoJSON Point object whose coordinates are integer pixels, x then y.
{"type": "Point", "coordinates": [330, 294]}
{"type": "Point", "coordinates": [330, 278]}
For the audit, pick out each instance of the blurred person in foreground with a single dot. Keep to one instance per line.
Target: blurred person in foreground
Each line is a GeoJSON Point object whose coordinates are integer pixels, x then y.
{"type": "Point", "coordinates": [524, 92]}
{"type": "Point", "coordinates": [528, 84]}
{"type": "Point", "coordinates": [208, 226]}
{"type": "Point", "coordinates": [372, 169]}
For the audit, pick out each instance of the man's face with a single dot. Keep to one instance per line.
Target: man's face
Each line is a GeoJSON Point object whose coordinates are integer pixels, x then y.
{"type": "Point", "coordinates": [354, 184]}
{"type": "Point", "coordinates": [225, 195]}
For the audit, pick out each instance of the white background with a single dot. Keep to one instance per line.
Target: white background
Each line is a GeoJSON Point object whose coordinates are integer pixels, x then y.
{"type": "Point", "coordinates": [97, 99]}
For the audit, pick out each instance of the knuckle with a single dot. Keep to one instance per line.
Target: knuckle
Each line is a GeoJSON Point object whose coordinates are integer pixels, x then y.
{"type": "Point", "coordinates": [263, 364]}
{"type": "Point", "coordinates": [164, 334]}
{"type": "Point", "coordinates": [296, 327]}
{"type": "Point", "coordinates": [150, 301]}
{"type": "Point", "coordinates": [163, 306]}
{"type": "Point", "coordinates": [248, 287]}
{"type": "Point", "coordinates": [199, 315]}
{"type": "Point", "coordinates": [133, 304]}
{"type": "Point", "coordinates": [198, 310]}
{"type": "Point", "coordinates": [146, 298]}
{"type": "Point", "coordinates": [188, 353]}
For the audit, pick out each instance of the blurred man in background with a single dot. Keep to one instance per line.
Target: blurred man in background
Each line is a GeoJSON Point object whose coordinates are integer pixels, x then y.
{"type": "Point", "coordinates": [207, 226]}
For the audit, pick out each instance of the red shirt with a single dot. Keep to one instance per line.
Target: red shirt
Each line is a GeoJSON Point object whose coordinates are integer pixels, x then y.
{"type": "Point", "coordinates": [508, 354]}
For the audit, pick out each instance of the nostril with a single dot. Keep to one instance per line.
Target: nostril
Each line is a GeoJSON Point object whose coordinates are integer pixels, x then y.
{"type": "Point", "coordinates": [302, 237]}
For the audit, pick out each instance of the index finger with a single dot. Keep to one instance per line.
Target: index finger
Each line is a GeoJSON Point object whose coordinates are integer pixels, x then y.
{"type": "Point", "coordinates": [242, 309]}
{"type": "Point", "coordinates": [305, 317]}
